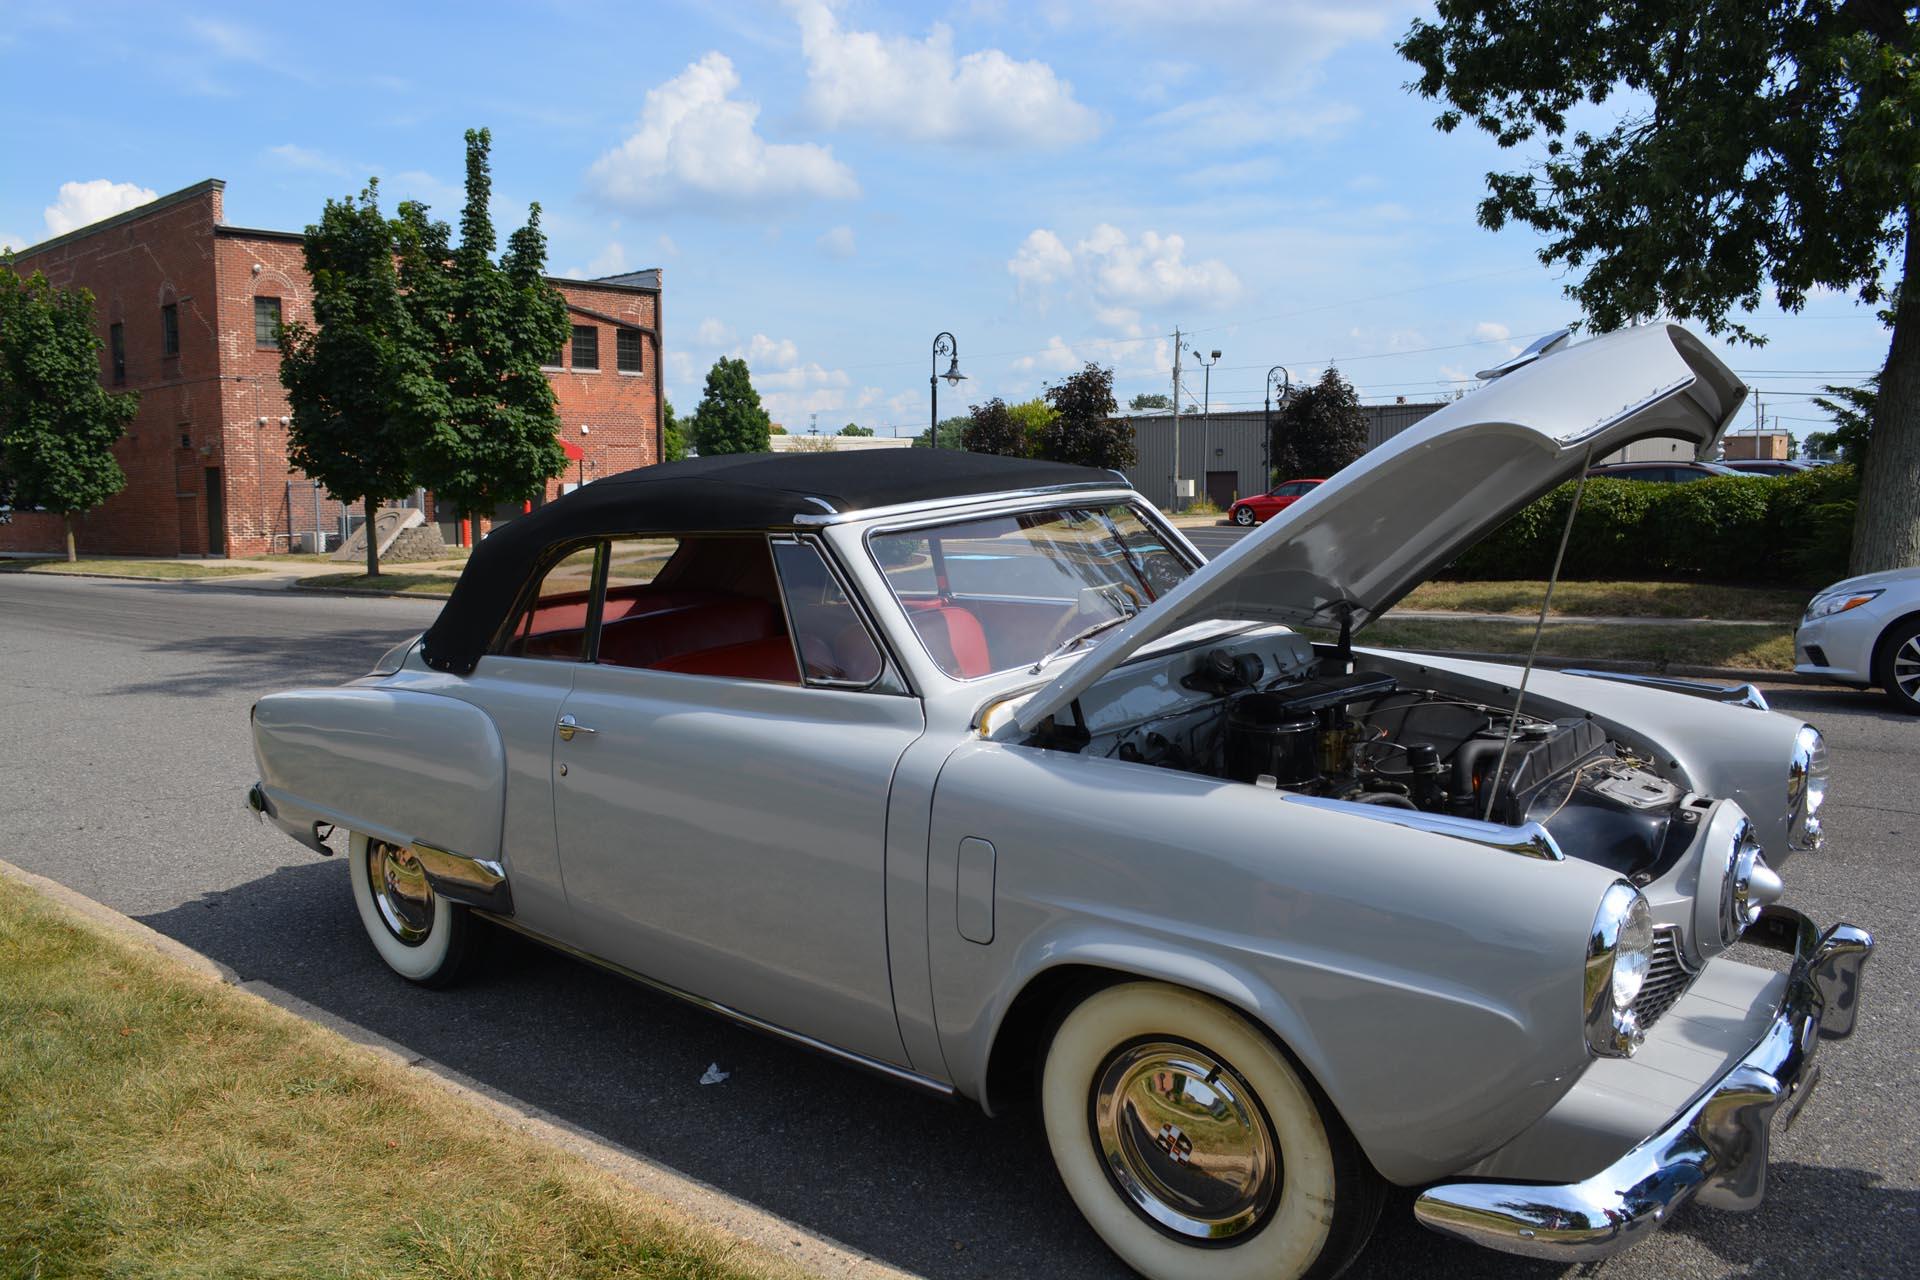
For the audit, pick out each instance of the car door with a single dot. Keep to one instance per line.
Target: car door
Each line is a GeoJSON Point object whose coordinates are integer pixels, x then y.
{"type": "Point", "coordinates": [721, 800]}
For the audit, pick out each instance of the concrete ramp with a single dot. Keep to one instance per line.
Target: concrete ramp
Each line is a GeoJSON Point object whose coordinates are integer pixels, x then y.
{"type": "Point", "coordinates": [389, 524]}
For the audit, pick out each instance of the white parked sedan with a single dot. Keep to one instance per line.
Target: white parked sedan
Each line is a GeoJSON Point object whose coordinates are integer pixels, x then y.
{"type": "Point", "coordinates": [1866, 631]}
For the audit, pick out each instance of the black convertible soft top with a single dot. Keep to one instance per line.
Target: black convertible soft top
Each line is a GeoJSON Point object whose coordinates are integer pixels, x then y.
{"type": "Point", "coordinates": [729, 493]}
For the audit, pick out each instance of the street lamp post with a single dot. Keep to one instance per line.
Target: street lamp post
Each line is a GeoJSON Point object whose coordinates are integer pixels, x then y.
{"type": "Point", "coordinates": [1206, 407]}
{"type": "Point", "coordinates": [1266, 439]}
{"type": "Point", "coordinates": [944, 344]}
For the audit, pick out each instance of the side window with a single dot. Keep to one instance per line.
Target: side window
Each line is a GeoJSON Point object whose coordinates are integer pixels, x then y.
{"type": "Point", "coordinates": [699, 605]}
{"type": "Point", "coordinates": [834, 646]}
{"type": "Point", "coordinates": [553, 624]}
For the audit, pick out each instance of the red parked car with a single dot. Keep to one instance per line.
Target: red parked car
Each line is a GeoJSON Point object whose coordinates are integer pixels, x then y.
{"type": "Point", "coordinates": [1263, 506]}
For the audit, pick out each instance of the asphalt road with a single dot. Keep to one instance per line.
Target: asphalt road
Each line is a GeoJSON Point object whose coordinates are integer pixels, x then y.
{"type": "Point", "coordinates": [124, 708]}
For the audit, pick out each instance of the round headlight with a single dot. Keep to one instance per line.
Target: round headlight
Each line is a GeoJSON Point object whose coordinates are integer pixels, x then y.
{"type": "Point", "coordinates": [1619, 954]}
{"type": "Point", "coordinates": [1806, 789]}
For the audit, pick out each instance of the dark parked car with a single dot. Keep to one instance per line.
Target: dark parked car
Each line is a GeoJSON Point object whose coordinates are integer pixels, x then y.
{"type": "Point", "coordinates": [1660, 472]}
{"type": "Point", "coordinates": [1767, 466]}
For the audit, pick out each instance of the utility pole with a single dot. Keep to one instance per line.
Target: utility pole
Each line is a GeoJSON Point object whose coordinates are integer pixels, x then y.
{"type": "Point", "coordinates": [1176, 418]}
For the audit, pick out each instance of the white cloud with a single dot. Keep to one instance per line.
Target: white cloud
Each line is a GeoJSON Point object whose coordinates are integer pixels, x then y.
{"type": "Point", "coordinates": [668, 248]}
{"type": "Point", "coordinates": [837, 243]}
{"type": "Point", "coordinates": [10, 241]}
{"type": "Point", "coordinates": [697, 144]}
{"type": "Point", "coordinates": [291, 155]}
{"type": "Point", "coordinates": [229, 40]}
{"type": "Point", "coordinates": [1057, 358]}
{"type": "Point", "coordinates": [921, 91]}
{"type": "Point", "coordinates": [610, 261]}
{"type": "Point", "coordinates": [1040, 260]}
{"type": "Point", "coordinates": [1152, 271]}
{"type": "Point", "coordinates": [83, 203]}
{"type": "Point", "coordinates": [762, 352]}
{"type": "Point", "coordinates": [1230, 121]}
{"type": "Point", "coordinates": [1275, 40]}
{"type": "Point", "coordinates": [712, 333]}
{"type": "Point", "coordinates": [1491, 331]}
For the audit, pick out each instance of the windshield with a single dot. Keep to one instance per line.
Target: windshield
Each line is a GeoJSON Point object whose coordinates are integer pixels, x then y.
{"type": "Point", "coordinates": [1006, 591]}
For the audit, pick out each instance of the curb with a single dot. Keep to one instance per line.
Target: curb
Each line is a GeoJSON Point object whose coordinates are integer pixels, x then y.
{"type": "Point", "coordinates": [786, 1244]}
{"type": "Point", "coordinates": [1637, 667]}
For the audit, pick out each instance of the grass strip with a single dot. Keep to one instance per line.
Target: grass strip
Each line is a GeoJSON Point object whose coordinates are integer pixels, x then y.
{"type": "Point", "coordinates": [404, 584]}
{"type": "Point", "coordinates": [155, 1122]}
{"type": "Point", "coordinates": [1704, 644]}
{"type": "Point", "coordinates": [1614, 599]}
{"type": "Point", "coordinates": [157, 569]}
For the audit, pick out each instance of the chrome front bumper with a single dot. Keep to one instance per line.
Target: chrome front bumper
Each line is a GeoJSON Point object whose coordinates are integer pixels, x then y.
{"type": "Point", "coordinates": [1714, 1151]}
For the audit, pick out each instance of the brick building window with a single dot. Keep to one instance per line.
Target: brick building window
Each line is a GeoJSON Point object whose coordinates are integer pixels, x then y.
{"type": "Point", "coordinates": [117, 351]}
{"type": "Point", "coordinates": [266, 322]}
{"type": "Point", "coordinates": [170, 329]}
{"type": "Point", "coordinates": [586, 347]}
{"type": "Point", "coordinates": [558, 360]}
{"type": "Point", "coordinates": [626, 350]}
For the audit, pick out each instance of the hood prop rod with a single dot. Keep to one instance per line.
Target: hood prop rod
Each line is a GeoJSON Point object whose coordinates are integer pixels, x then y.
{"type": "Point", "coordinates": [1492, 789]}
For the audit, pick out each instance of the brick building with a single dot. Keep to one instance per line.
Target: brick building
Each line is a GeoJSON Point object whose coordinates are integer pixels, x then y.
{"type": "Point", "coordinates": [185, 307]}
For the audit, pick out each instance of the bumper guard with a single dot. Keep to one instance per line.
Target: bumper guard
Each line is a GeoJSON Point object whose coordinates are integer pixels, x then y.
{"type": "Point", "coordinates": [1714, 1151]}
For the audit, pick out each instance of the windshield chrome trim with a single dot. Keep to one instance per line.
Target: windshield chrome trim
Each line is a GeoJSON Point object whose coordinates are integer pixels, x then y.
{"type": "Point", "coordinates": [962, 503]}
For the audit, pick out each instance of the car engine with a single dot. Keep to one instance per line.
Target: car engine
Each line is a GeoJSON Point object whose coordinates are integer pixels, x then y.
{"type": "Point", "coordinates": [1369, 738]}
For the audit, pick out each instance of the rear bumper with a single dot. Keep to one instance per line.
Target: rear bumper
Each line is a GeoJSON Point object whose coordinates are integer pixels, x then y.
{"type": "Point", "coordinates": [1714, 1150]}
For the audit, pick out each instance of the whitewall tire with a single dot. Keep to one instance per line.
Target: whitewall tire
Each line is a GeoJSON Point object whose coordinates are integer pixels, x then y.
{"type": "Point", "coordinates": [423, 937]}
{"type": "Point", "coordinates": [1194, 1146]}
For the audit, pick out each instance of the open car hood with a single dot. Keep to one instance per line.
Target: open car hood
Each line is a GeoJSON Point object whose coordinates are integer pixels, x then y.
{"type": "Point", "coordinates": [1361, 541]}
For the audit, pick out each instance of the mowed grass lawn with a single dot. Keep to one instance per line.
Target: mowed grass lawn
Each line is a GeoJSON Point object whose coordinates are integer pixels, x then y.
{"type": "Point", "coordinates": [1615, 599]}
{"type": "Point", "coordinates": [1702, 644]}
{"type": "Point", "coordinates": [97, 567]}
{"type": "Point", "coordinates": [154, 1122]}
{"type": "Point", "coordinates": [406, 584]}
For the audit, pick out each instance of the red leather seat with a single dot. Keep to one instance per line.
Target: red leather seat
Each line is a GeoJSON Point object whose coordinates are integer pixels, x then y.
{"type": "Point", "coordinates": [769, 659]}
{"type": "Point", "coordinates": [649, 636]}
{"type": "Point", "coordinates": [955, 638]}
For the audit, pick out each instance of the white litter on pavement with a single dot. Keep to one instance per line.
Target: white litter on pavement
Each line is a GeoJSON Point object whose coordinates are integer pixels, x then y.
{"type": "Point", "coordinates": [714, 1075]}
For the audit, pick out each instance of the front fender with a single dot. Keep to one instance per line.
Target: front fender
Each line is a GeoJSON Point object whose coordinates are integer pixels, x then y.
{"type": "Point", "coordinates": [1431, 986]}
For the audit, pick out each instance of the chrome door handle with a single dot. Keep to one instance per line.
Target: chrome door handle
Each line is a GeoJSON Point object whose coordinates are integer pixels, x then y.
{"type": "Point", "coordinates": [568, 726]}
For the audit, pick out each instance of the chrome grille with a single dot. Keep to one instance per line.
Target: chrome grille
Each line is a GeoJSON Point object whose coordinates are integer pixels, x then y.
{"type": "Point", "coordinates": [1667, 979]}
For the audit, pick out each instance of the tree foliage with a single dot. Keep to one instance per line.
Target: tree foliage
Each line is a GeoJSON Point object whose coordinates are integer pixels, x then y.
{"type": "Point", "coordinates": [673, 443]}
{"type": "Point", "coordinates": [1151, 400]}
{"type": "Point", "coordinates": [491, 325]}
{"type": "Point", "coordinates": [1698, 154]}
{"type": "Point", "coordinates": [1085, 431]}
{"type": "Point", "coordinates": [361, 383]}
{"type": "Point", "coordinates": [58, 425]}
{"type": "Point", "coordinates": [855, 429]}
{"type": "Point", "coordinates": [952, 432]}
{"type": "Point", "coordinates": [1320, 429]}
{"type": "Point", "coordinates": [992, 428]}
{"type": "Point", "coordinates": [1851, 409]}
{"type": "Point", "coordinates": [730, 418]}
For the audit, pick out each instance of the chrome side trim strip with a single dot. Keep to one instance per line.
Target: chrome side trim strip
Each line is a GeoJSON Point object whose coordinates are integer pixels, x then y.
{"type": "Point", "coordinates": [478, 882]}
{"type": "Point", "coordinates": [1529, 839]}
{"type": "Point", "coordinates": [1740, 695]}
{"type": "Point", "coordinates": [1714, 1151]}
{"type": "Point", "coordinates": [899, 1074]}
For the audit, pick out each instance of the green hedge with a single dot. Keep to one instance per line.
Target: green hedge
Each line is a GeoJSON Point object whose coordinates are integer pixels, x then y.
{"type": "Point", "coordinates": [1794, 528]}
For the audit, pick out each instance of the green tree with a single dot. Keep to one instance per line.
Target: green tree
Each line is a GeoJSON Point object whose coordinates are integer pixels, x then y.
{"type": "Point", "coordinates": [361, 382]}
{"type": "Point", "coordinates": [1150, 400]}
{"type": "Point", "coordinates": [855, 429]}
{"type": "Point", "coordinates": [1755, 146]}
{"type": "Point", "coordinates": [491, 325]}
{"type": "Point", "coordinates": [1319, 430]}
{"type": "Point", "coordinates": [673, 442]}
{"type": "Point", "coordinates": [1085, 431]}
{"type": "Point", "coordinates": [992, 428]}
{"type": "Point", "coordinates": [1035, 416]}
{"type": "Point", "coordinates": [58, 425]}
{"type": "Point", "coordinates": [730, 418]}
{"type": "Point", "coordinates": [952, 430]}
{"type": "Point", "coordinates": [1852, 410]}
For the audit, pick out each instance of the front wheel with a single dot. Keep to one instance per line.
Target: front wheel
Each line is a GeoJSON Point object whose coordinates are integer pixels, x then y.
{"type": "Point", "coordinates": [1194, 1146]}
{"type": "Point", "coordinates": [423, 937]}
{"type": "Point", "coordinates": [1898, 667]}
{"type": "Point", "coordinates": [1243, 516]}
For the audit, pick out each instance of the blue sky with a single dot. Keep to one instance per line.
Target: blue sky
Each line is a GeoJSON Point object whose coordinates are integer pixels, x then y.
{"type": "Point", "coordinates": [829, 185]}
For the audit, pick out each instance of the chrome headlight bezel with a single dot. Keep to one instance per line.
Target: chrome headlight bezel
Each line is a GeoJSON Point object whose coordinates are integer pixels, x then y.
{"type": "Point", "coordinates": [1806, 789]}
{"type": "Point", "coordinates": [1828, 604]}
{"type": "Point", "coordinates": [1619, 955]}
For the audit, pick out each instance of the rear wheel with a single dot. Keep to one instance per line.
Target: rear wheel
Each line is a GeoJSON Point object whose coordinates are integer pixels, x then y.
{"type": "Point", "coordinates": [423, 937]}
{"type": "Point", "coordinates": [1897, 669]}
{"type": "Point", "coordinates": [1243, 516]}
{"type": "Point", "coordinates": [1194, 1146]}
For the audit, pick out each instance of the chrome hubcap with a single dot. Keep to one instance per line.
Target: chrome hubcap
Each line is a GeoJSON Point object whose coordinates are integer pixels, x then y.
{"type": "Point", "coordinates": [400, 892]}
{"type": "Point", "coordinates": [1906, 668]}
{"type": "Point", "coordinates": [1185, 1141]}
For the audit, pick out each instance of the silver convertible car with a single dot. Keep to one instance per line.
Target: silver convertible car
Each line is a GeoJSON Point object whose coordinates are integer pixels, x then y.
{"type": "Point", "coordinates": [971, 771]}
